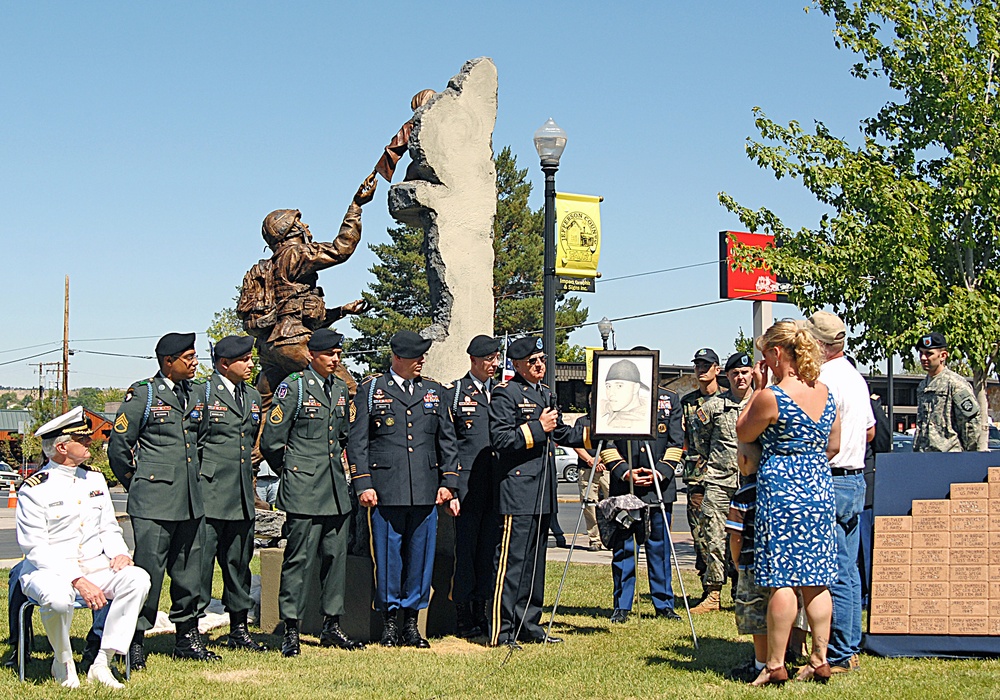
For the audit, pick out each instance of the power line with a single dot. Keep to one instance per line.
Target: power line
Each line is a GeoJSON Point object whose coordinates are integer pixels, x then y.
{"type": "Point", "coordinates": [31, 347]}
{"type": "Point", "coordinates": [29, 357]}
{"type": "Point", "coordinates": [115, 354]}
{"type": "Point", "coordinates": [659, 272]}
{"type": "Point", "coordinates": [101, 340]}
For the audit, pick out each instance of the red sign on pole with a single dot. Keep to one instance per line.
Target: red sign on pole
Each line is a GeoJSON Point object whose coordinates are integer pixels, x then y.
{"type": "Point", "coordinates": [760, 284]}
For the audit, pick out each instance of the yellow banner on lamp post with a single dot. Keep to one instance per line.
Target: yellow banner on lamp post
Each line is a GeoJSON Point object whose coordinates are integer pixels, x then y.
{"type": "Point", "coordinates": [578, 234]}
{"type": "Point", "coordinates": [589, 355]}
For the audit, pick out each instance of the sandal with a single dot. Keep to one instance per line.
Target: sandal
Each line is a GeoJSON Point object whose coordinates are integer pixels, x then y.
{"type": "Point", "coordinates": [811, 672]}
{"type": "Point", "coordinates": [771, 676]}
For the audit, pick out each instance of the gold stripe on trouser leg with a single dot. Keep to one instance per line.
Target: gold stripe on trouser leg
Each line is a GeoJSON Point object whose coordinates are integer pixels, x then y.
{"type": "Point", "coordinates": [508, 520]}
{"type": "Point", "coordinates": [371, 548]}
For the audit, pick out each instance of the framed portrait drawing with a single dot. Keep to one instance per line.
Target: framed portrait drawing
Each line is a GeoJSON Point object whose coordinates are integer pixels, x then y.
{"type": "Point", "coordinates": [623, 397]}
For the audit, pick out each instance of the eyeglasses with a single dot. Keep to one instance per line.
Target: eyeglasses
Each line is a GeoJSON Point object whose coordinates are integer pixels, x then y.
{"type": "Point", "coordinates": [535, 361]}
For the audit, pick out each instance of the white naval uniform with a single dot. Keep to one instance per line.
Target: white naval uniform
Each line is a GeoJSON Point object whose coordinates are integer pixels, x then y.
{"type": "Point", "coordinates": [66, 528]}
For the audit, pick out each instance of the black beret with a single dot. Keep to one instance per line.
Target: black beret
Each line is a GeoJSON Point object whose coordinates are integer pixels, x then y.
{"type": "Point", "coordinates": [408, 345]}
{"type": "Point", "coordinates": [233, 346]}
{"type": "Point", "coordinates": [174, 344]}
{"type": "Point", "coordinates": [740, 359]}
{"type": "Point", "coordinates": [706, 355]}
{"type": "Point", "coordinates": [324, 339]}
{"type": "Point", "coordinates": [483, 346]}
{"type": "Point", "coordinates": [931, 341]}
{"type": "Point", "coordinates": [525, 347]}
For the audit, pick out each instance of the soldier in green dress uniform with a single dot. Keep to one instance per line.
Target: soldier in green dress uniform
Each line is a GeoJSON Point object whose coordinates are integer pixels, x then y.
{"type": "Point", "coordinates": [303, 439]}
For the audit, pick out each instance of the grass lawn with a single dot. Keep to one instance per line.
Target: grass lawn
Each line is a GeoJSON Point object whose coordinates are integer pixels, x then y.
{"type": "Point", "coordinates": [644, 658]}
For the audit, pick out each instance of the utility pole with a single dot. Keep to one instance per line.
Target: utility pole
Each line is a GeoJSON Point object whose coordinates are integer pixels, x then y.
{"type": "Point", "coordinates": [65, 358]}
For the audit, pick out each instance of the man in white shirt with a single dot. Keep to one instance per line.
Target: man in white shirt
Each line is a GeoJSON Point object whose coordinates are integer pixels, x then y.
{"type": "Point", "coordinates": [857, 428]}
{"type": "Point", "coordinates": [73, 546]}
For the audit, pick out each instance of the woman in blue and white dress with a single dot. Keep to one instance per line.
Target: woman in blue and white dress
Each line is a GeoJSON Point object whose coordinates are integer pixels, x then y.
{"type": "Point", "coordinates": [798, 427]}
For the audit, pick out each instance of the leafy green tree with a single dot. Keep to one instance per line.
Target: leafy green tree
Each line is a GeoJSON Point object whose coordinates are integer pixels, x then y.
{"type": "Point", "coordinates": [89, 397]}
{"type": "Point", "coordinates": [400, 297]}
{"type": "Point", "coordinates": [226, 322]}
{"type": "Point", "coordinates": [911, 241]}
{"type": "Point", "coordinates": [8, 399]}
{"type": "Point", "coordinates": [743, 343]}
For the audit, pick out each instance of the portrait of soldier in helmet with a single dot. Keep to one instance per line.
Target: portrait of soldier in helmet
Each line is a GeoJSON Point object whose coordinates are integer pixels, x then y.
{"type": "Point", "coordinates": [623, 390]}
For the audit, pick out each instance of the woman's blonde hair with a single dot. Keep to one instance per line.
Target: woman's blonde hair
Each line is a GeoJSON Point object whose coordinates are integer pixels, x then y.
{"type": "Point", "coordinates": [795, 339]}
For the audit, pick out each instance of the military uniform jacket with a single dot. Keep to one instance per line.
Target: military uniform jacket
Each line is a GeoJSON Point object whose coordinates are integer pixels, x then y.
{"type": "Point", "coordinates": [715, 423]}
{"type": "Point", "coordinates": [667, 451]}
{"type": "Point", "coordinates": [694, 465]}
{"type": "Point", "coordinates": [66, 522]}
{"type": "Point", "coordinates": [226, 435]}
{"type": "Point", "coordinates": [153, 451]}
{"type": "Point", "coordinates": [306, 433]}
{"type": "Point", "coordinates": [519, 442]}
{"type": "Point", "coordinates": [402, 446]}
{"type": "Point", "coordinates": [470, 410]}
{"type": "Point", "coordinates": [947, 415]}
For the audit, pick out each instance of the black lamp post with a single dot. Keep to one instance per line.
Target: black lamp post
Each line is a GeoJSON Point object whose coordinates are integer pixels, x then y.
{"type": "Point", "coordinates": [605, 328]}
{"type": "Point", "coordinates": [550, 141]}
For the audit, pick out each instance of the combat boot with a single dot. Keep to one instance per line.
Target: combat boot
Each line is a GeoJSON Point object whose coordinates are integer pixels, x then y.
{"type": "Point", "coordinates": [467, 627]}
{"type": "Point", "coordinates": [239, 636]}
{"type": "Point", "coordinates": [390, 631]}
{"type": "Point", "coordinates": [333, 636]}
{"type": "Point", "coordinates": [411, 633]}
{"type": "Point", "coordinates": [290, 642]}
{"type": "Point", "coordinates": [188, 643]}
{"type": "Point", "coordinates": [136, 652]}
{"type": "Point", "coordinates": [711, 601]}
{"type": "Point", "coordinates": [479, 616]}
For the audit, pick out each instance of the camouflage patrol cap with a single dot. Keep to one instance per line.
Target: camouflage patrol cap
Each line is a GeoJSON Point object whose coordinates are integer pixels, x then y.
{"type": "Point", "coordinates": [931, 341]}
{"type": "Point", "coordinates": [278, 224]}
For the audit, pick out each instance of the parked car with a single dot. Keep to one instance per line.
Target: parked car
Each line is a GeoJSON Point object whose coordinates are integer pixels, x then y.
{"type": "Point", "coordinates": [994, 444]}
{"type": "Point", "coordinates": [566, 467]}
{"type": "Point", "coordinates": [8, 476]}
{"type": "Point", "coordinates": [901, 442]}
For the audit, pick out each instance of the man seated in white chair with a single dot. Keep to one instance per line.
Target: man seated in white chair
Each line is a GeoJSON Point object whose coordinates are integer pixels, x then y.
{"type": "Point", "coordinates": [73, 546]}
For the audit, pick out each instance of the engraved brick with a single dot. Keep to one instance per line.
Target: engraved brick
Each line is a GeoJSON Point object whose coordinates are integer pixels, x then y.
{"type": "Point", "coordinates": [969, 608]}
{"type": "Point", "coordinates": [891, 572]}
{"type": "Point", "coordinates": [969, 556]}
{"type": "Point", "coordinates": [993, 475]}
{"type": "Point", "coordinates": [890, 606]}
{"type": "Point", "coordinates": [895, 540]}
{"type": "Point", "coordinates": [929, 572]}
{"type": "Point", "coordinates": [929, 607]}
{"type": "Point", "coordinates": [994, 590]}
{"type": "Point", "coordinates": [930, 589]}
{"type": "Point", "coordinates": [935, 507]}
{"type": "Point", "coordinates": [931, 540]}
{"type": "Point", "coordinates": [994, 539]}
{"type": "Point", "coordinates": [932, 523]}
{"type": "Point", "coordinates": [900, 556]}
{"type": "Point", "coordinates": [889, 624]}
{"type": "Point", "coordinates": [994, 520]}
{"type": "Point", "coordinates": [968, 625]}
{"type": "Point", "coordinates": [930, 556]}
{"type": "Point", "coordinates": [994, 488]}
{"type": "Point", "coordinates": [973, 572]}
{"type": "Point", "coordinates": [970, 540]}
{"type": "Point", "coordinates": [994, 607]}
{"type": "Point", "coordinates": [995, 502]}
{"type": "Point", "coordinates": [970, 523]}
{"type": "Point", "coordinates": [994, 626]}
{"type": "Point", "coordinates": [977, 490]}
{"type": "Point", "coordinates": [891, 589]}
{"type": "Point", "coordinates": [994, 572]}
{"type": "Point", "coordinates": [970, 589]}
{"type": "Point", "coordinates": [929, 625]}
{"type": "Point", "coordinates": [893, 523]}
{"type": "Point", "coordinates": [970, 506]}
{"type": "Point", "coordinates": [994, 556]}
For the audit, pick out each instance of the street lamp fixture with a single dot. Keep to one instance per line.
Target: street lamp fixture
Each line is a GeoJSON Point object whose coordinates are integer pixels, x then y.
{"type": "Point", "coordinates": [605, 328]}
{"type": "Point", "coordinates": [550, 140]}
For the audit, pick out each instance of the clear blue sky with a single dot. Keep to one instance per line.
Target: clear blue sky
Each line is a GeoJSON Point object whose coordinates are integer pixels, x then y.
{"type": "Point", "coordinates": [143, 143]}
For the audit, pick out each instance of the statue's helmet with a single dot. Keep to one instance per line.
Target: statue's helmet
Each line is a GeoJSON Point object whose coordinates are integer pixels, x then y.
{"type": "Point", "coordinates": [279, 225]}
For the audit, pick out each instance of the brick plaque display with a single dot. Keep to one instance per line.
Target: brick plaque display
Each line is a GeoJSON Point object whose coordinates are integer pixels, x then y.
{"type": "Point", "coordinates": [937, 571]}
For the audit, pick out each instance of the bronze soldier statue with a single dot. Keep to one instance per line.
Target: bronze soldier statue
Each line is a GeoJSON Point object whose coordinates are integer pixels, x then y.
{"type": "Point", "coordinates": [280, 303]}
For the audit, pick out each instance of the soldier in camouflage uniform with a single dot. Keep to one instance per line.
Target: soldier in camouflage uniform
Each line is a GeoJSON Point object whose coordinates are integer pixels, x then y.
{"type": "Point", "coordinates": [715, 424]}
{"type": "Point", "coordinates": [947, 409]}
{"type": "Point", "coordinates": [706, 368]}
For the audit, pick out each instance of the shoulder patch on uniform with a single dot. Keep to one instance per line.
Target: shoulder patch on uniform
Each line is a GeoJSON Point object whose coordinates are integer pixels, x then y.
{"type": "Point", "coordinates": [121, 423]}
{"type": "Point", "coordinates": [128, 395]}
{"type": "Point", "coordinates": [282, 390]}
{"type": "Point", "coordinates": [968, 407]}
{"type": "Point", "coordinates": [36, 479]}
{"type": "Point", "coordinates": [276, 415]}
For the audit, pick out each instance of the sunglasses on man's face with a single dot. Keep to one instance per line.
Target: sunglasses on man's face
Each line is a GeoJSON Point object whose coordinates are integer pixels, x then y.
{"type": "Point", "coordinates": [535, 361]}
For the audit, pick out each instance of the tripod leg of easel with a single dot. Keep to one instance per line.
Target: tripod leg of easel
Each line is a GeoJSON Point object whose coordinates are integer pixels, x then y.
{"type": "Point", "coordinates": [673, 552]}
{"type": "Point", "coordinates": [569, 555]}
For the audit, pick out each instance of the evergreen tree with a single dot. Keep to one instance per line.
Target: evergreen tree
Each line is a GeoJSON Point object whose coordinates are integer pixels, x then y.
{"type": "Point", "coordinates": [400, 297]}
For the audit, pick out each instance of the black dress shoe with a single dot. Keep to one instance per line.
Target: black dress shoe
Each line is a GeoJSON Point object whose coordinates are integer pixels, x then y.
{"type": "Point", "coordinates": [136, 653]}
{"type": "Point", "coordinates": [467, 627]}
{"type": "Point", "coordinates": [619, 615]}
{"type": "Point", "coordinates": [668, 613]}
{"type": "Point", "coordinates": [390, 631]}
{"type": "Point", "coordinates": [90, 651]}
{"type": "Point", "coordinates": [290, 642]}
{"type": "Point", "coordinates": [239, 638]}
{"type": "Point", "coordinates": [511, 644]}
{"type": "Point", "coordinates": [188, 644]}
{"type": "Point", "coordinates": [479, 615]}
{"type": "Point", "coordinates": [333, 636]}
{"type": "Point", "coordinates": [410, 636]}
{"type": "Point", "coordinates": [542, 640]}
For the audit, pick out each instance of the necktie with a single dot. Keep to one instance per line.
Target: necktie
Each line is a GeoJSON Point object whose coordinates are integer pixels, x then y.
{"type": "Point", "coordinates": [239, 396]}
{"type": "Point", "coordinates": [408, 386]}
{"type": "Point", "coordinates": [180, 390]}
{"type": "Point", "coordinates": [486, 390]}
{"type": "Point", "coordinates": [328, 386]}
